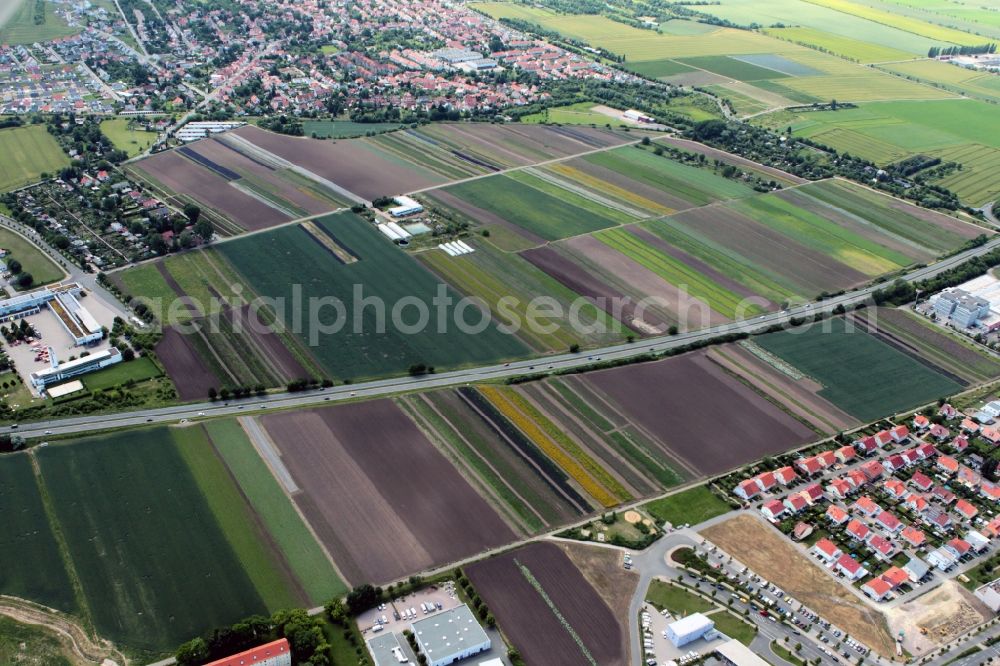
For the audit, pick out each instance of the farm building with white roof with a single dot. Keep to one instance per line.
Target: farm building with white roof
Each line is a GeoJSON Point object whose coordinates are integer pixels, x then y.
{"type": "Point", "coordinates": [450, 636]}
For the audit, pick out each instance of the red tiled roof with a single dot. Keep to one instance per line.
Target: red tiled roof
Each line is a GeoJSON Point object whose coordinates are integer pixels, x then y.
{"type": "Point", "coordinates": [255, 655]}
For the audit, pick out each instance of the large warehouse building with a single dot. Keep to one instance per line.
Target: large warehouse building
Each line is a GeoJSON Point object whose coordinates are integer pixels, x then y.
{"type": "Point", "coordinates": [450, 636]}
{"type": "Point", "coordinates": [62, 300]}
{"type": "Point", "coordinates": [689, 629]}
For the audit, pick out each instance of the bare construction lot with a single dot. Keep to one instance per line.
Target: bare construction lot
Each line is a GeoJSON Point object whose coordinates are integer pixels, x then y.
{"type": "Point", "coordinates": [382, 499]}
{"type": "Point", "coordinates": [765, 551]}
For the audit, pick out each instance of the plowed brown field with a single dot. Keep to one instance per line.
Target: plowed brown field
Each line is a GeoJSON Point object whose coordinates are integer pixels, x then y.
{"type": "Point", "coordinates": [381, 497]}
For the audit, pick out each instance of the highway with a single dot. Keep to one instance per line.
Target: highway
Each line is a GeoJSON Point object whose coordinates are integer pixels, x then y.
{"type": "Point", "coordinates": [385, 387]}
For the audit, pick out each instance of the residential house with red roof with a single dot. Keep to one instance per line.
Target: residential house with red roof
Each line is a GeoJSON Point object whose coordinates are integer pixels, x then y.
{"type": "Point", "coordinates": [795, 503]}
{"type": "Point", "coordinates": [969, 426]}
{"type": "Point", "coordinates": [990, 491]}
{"type": "Point", "coordinates": [867, 506]}
{"type": "Point", "coordinates": [921, 423]}
{"type": "Point", "coordinates": [947, 464]}
{"type": "Point", "coordinates": [850, 568]}
{"type": "Point", "coordinates": [990, 434]}
{"type": "Point", "coordinates": [888, 521]}
{"type": "Point", "coordinates": [882, 547]}
{"type": "Point", "coordinates": [937, 518]}
{"type": "Point", "coordinates": [968, 477]}
{"type": "Point", "coordinates": [766, 481]}
{"type": "Point", "coordinates": [826, 550]}
{"type": "Point", "coordinates": [866, 446]}
{"type": "Point", "coordinates": [921, 481]}
{"type": "Point", "coordinates": [884, 438]}
{"type": "Point", "coordinates": [943, 494]}
{"type": "Point", "coordinates": [893, 463]}
{"type": "Point", "coordinates": [873, 470]}
{"type": "Point", "coordinates": [846, 454]}
{"type": "Point", "coordinates": [992, 528]}
{"type": "Point", "coordinates": [967, 509]}
{"type": "Point", "coordinates": [960, 443]}
{"type": "Point", "coordinates": [916, 502]}
{"type": "Point", "coordinates": [857, 478]}
{"type": "Point", "coordinates": [747, 489]}
{"type": "Point", "coordinates": [827, 458]}
{"type": "Point", "coordinates": [877, 589]}
{"type": "Point", "coordinates": [773, 510]}
{"type": "Point", "coordinates": [939, 433]}
{"type": "Point", "coordinates": [910, 457]}
{"type": "Point", "coordinates": [839, 488]}
{"type": "Point", "coordinates": [786, 475]}
{"type": "Point", "coordinates": [949, 412]}
{"type": "Point", "coordinates": [895, 488]}
{"type": "Point", "coordinates": [857, 530]}
{"type": "Point", "coordinates": [899, 434]}
{"type": "Point", "coordinates": [913, 536]}
{"type": "Point", "coordinates": [808, 466]}
{"type": "Point", "coordinates": [836, 514]}
{"type": "Point", "coordinates": [926, 451]}
{"type": "Point", "coordinates": [895, 576]}
{"type": "Point", "coordinates": [961, 547]}
{"type": "Point", "coordinates": [813, 493]}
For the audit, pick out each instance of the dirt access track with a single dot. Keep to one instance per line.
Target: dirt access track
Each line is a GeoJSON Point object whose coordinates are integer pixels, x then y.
{"type": "Point", "coordinates": [759, 546]}
{"type": "Point", "coordinates": [83, 648]}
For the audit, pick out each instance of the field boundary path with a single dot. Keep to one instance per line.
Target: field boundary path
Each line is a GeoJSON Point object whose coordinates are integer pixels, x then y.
{"type": "Point", "coordinates": [69, 632]}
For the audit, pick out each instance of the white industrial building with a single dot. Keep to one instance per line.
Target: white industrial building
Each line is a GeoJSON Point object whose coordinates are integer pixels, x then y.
{"type": "Point", "coordinates": [450, 636]}
{"type": "Point", "coordinates": [689, 629]}
{"type": "Point", "coordinates": [405, 206]}
{"type": "Point", "coordinates": [201, 129]}
{"type": "Point", "coordinates": [989, 594]}
{"type": "Point", "coordinates": [973, 305]}
{"type": "Point", "coordinates": [736, 654]}
{"type": "Point", "coordinates": [59, 372]}
{"type": "Point", "coordinates": [63, 302]}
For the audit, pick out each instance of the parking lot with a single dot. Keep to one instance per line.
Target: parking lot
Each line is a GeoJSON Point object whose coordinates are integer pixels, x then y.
{"type": "Point", "coordinates": [401, 612]}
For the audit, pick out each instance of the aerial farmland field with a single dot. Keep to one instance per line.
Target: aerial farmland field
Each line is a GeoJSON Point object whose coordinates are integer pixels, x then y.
{"type": "Point", "coordinates": [275, 261]}
{"type": "Point", "coordinates": [130, 509]}
{"type": "Point", "coordinates": [548, 609]}
{"type": "Point", "coordinates": [491, 275]}
{"type": "Point", "coordinates": [959, 79]}
{"type": "Point", "coordinates": [380, 496]}
{"type": "Point", "coordinates": [862, 375]}
{"type": "Point", "coordinates": [28, 152]}
{"type": "Point", "coordinates": [33, 565]}
{"type": "Point", "coordinates": [696, 436]}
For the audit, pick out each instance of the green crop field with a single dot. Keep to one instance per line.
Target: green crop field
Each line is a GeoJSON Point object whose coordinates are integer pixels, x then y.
{"type": "Point", "coordinates": [28, 152]}
{"type": "Point", "coordinates": [345, 129]}
{"type": "Point", "coordinates": [695, 185]}
{"type": "Point", "coordinates": [32, 645]}
{"type": "Point", "coordinates": [658, 69]}
{"type": "Point", "coordinates": [976, 183]}
{"type": "Point", "coordinates": [21, 28]}
{"type": "Point", "coordinates": [32, 564]}
{"type": "Point", "coordinates": [846, 47]}
{"type": "Point", "coordinates": [677, 273]}
{"type": "Point", "coordinates": [860, 374]}
{"type": "Point", "coordinates": [916, 26]}
{"type": "Point", "coordinates": [247, 538]}
{"type": "Point", "coordinates": [522, 199]}
{"type": "Point", "coordinates": [581, 113]}
{"type": "Point", "coordinates": [155, 566]}
{"type": "Point", "coordinates": [125, 136]}
{"type": "Point", "coordinates": [274, 261]}
{"type": "Point", "coordinates": [491, 275]}
{"type": "Point", "coordinates": [826, 236]}
{"type": "Point", "coordinates": [970, 82]}
{"type": "Point", "coordinates": [733, 68]}
{"type": "Point", "coordinates": [298, 545]}
{"type": "Point", "coordinates": [695, 505]}
{"type": "Point", "coordinates": [137, 370]}
{"type": "Point", "coordinates": [147, 282]}
{"type": "Point", "coordinates": [33, 260]}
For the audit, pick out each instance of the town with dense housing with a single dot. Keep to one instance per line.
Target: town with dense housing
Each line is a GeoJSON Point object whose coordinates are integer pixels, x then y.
{"type": "Point", "coordinates": [511, 333]}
